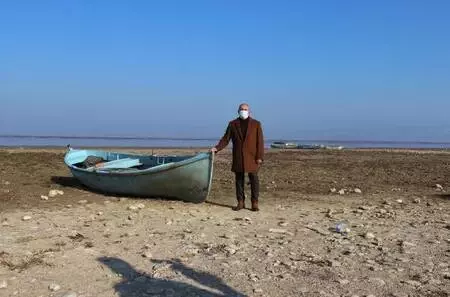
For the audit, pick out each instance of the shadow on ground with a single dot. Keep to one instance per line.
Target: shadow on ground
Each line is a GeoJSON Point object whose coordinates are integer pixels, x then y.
{"type": "Point", "coordinates": [71, 182]}
{"type": "Point", "coordinates": [136, 283]}
{"type": "Point", "coordinates": [68, 181]}
{"type": "Point", "coordinates": [442, 196]}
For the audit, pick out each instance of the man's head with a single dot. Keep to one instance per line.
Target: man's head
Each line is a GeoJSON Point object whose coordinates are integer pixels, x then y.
{"type": "Point", "coordinates": [243, 111]}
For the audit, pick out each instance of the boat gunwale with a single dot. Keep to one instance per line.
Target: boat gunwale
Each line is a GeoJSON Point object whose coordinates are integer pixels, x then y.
{"type": "Point", "coordinates": [152, 170]}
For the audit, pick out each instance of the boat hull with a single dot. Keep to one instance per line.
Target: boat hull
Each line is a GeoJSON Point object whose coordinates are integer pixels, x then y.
{"type": "Point", "coordinates": [284, 145]}
{"type": "Point", "coordinates": [188, 180]}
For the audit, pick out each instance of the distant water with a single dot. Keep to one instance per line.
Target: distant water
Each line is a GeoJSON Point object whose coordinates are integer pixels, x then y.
{"type": "Point", "coordinates": [55, 141]}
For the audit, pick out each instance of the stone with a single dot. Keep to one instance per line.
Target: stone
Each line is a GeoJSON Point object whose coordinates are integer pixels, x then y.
{"type": "Point", "coordinates": [378, 281]}
{"type": "Point", "coordinates": [369, 235]}
{"type": "Point", "coordinates": [417, 200]}
{"type": "Point", "coordinates": [413, 283]}
{"type": "Point", "coordinates": [52, 193]}
{"type": "Point", "coordinates": [228, 236]}
{"type": "Point", "coordinates": [257, 291]}
{"type": "Point", "coordinates": [147, 254]}
{"type": "Point", "coordinates": [400, 201]}
{"type": "Point", "coordinates": [82, 201]}
{"type": "Point", "coordinates": [43, 197]}
{"type": "Point", "coordinates": [3, 284]}
{"type": "Point", "coordinates": [333, 263]}
{"type": "Point", "coordinates": [439, 187]}
{"type": "Point", "coordinates": [140, 206]}
{"type": "Point", "coordinates": [54, 287]}
{"type": "Point", "coordinates": [279, 231]}
{"type": "Point", "coordinates": [333, 190]}
{"type": "Point", "coordinates": [69, 294]}
{"type": "Point", "coordinates": [341, 192]}
{"type": "Point", "coordinates": [357, 191]}
{"type": "Point", "coordinates": [133, 207]}
{"type": "Point", "coordinates": [433, 281]}
{"type": "Point", "coordinates": [26, 218]}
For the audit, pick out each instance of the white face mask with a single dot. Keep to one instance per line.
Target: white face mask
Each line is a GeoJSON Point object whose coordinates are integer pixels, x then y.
{"type": "Point", "coordinates": [243, 114]}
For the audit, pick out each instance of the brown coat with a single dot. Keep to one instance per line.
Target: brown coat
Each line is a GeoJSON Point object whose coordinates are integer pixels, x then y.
{"type": "Point", "coordinates": [247, 149]}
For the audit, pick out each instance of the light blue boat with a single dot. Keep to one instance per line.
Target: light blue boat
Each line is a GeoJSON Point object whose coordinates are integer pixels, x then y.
{"type": "Point", "coordinates": [186, 177]}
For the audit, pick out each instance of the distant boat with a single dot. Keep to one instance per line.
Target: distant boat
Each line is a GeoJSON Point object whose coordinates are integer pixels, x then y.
{"type": "Point", "coordinates": [186, 177]}
{"type": "Point", "coordinates": [283, 145]}
{"type": "Point", "coordinates": [292, 145]}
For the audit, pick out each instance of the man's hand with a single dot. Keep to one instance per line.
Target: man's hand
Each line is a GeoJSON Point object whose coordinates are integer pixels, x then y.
{"type": "Point", "coordinates": [213, 150]}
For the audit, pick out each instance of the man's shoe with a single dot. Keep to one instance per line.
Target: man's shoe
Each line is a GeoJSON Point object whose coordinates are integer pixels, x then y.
{"type": "Point", "coordinates": [239, 206]}
{"type": "Point", "coordinates": [255, 205]}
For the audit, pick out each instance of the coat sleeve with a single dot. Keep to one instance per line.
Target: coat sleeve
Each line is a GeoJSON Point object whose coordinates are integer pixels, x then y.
{"type": "Point", "coordinates": [225, 139]}
{"type": "Point", "coordinates": [260, 143]}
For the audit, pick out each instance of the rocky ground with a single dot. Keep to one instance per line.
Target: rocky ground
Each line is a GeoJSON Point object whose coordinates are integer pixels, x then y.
{"type": "Point", "coordinates": [332, 223]}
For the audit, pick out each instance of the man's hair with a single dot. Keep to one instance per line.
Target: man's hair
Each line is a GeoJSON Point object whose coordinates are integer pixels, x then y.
{"type": "Point", "coordinates": [243, 104]}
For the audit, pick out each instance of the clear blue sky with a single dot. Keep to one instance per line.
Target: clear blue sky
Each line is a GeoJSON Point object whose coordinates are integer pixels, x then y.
{"type": "Point", "coordinates": [371, 70]}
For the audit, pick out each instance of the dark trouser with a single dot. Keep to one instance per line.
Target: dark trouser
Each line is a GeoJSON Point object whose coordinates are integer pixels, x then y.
{"type": "Point", "coordinates": [240, 182]}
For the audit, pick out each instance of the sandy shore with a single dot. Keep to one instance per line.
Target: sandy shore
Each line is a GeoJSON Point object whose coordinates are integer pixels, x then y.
{"type": "Point", "coordinates": [86, 244]}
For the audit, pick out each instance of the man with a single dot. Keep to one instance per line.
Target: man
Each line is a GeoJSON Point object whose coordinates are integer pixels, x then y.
{"type": "Point", "coordinates": [248, 153]}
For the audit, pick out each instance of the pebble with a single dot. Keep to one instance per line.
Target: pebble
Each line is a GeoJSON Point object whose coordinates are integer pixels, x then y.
{"type": "Point", "coordinates": [357, 191]}
{"type": "Point", "coordinates": [26, 218]}
{"type": "Point", "coordinates": [333, 190]}
{"type": "Point", "coordinates": [439, 187]}
{"type": "Point", "coordinates": [413, 283]}
{"type": "Point", "coordinates": [54, 287]}
{"type": "Point", "coordinates": [257, 290]}
{"type": "Point", "coordinates": [283, 224]}
{"type": "Point", "coordinates": [333, 263]}
{"type": "Point", "coordinates": [378, 281]}
{"type": "Point", "coordinates": [341, 192]}
{"type": "Point", "coordinates": [70, 294]}
{"type": "Point", "coordinates": [369, 235]}
{"type": "Point", "coordinates": [279, 231]}
{"type": "Point", "coordinates": [147, 255]}
{"type": "Point", "coordinates": [43, 197]}
{"type": "Point", "coordinates": [53, 193]}
{"type": "Point", "coordinates": [399, 201]}
{"type": "Point", "coordinates": [3, 284]}
{"type": "Point", "coordinates": [133, 207]}
{"type": "Point", "coordinates": [82, 201]}
{"type": "Point", "coordinates": [344, 282]}
{"type": "Point", "coordinates": [228, 236]}
{"type": "Point", "coordinates": [417, 200]}
{"type": "Point", "coordinates": [140, 205]}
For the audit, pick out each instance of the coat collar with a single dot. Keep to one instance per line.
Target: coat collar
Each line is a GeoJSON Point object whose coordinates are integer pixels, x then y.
{"type": "Point", "coordinates": [237, 123]}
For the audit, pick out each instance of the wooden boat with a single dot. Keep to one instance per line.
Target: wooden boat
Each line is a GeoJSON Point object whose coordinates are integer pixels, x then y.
{"type": "Point", "coordinates": [283, 145]}
{"type": "Point", "coordinates": [185, 177]}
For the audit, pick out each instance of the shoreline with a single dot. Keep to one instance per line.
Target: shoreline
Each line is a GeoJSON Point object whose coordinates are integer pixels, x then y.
{"type": "Point", "coordinates": [227, 149]}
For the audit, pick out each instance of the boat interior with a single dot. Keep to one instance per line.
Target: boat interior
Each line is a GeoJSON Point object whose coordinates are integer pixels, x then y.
{"type": "Point", "coordinates": [99, 160]}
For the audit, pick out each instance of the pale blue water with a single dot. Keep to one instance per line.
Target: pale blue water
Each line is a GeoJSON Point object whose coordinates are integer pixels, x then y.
{"type": "Point", "coordinates": [39, 141]}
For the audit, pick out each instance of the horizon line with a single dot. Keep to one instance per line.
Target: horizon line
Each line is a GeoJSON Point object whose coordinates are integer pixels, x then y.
{"type": "Point", "coordinates": [213, 139]}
